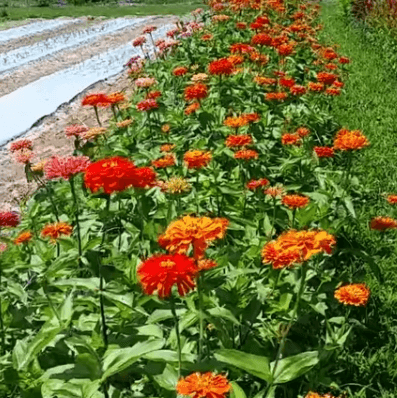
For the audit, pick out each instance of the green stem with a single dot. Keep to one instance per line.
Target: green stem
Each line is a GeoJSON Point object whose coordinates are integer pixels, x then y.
{"type": "Point", "coordinates": [41, 184]}
{"type": "Point", "coordinates": [120, 226]}
{"type": "Point", "coordinates": [197, 193]}
{"type": "Point", "coordinates": [114, 113]}
{"type": "Point", "coordinates": [3, 345]}
{"type": "Point", "coordinates": [52, 304]}
{"type": "Point", "coordinates": [178, 336]}
{"type": "Point", "coordinates": [77, 218]}
{"type": "Point", "coordinates": [293, 218]}
{"type": "Point", "coordinates": [295, 313]}
{"type": "Point", "coordinates": [274, 218]}
{"type": "Point", "coordinates": [97, 116]}
{"type": "Point", "coordinates": [201, 318]}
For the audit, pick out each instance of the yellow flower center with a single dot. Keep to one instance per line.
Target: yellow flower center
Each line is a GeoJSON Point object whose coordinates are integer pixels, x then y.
{"type": "Point", "coordinates": [167, 264]}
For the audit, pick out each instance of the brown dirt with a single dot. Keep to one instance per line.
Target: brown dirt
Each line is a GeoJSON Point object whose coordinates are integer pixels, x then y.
{"type": "Point", "coordinates": [49, 137]}
{"type": "Point", "coordinates": [32, 72]}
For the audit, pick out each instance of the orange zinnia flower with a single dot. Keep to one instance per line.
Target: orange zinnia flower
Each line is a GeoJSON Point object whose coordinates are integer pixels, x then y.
{"type": "Point", "coordinates": [392, 199]}
{"type": "Point", "coordinates": [195, 231]}
{"type": "Point", "coordinates": [383, 223]}
{"type": "Point", "coordinates": [303, 132]}
{"type": "Point", "coordinates": [204, 385]}
{"type": "Point", "coordinates": [346, 140]}
{"type": "Point", "coordinates": [197, 159]}
{"type": "Point", "coordinates": [196, 91]}
{"type": "Point", "coordinates": [295, 201]}
{"type": "Point", "coordinates": [221, 67]}
{"type": "Point", "coordinates": [295, 247]}
{"type": "Point", "coordinates": [296, 89]}
{"type": "Point", "coordinates": [192, 108]}
{"type": "Point", "coordinates": [23, 238]}
{"type": "Point", "coordinates": [317, 87]}
{"type": "Point", "coordinates": [356, 294]}
{"type": "Point", "coordinates": [274, 192]}
{"type": "Point", "coordinates": [285, 49]}
{"type": "Point", "coordinates": [238, 140]}
{"type": "Point", "coordinates": [180, 71]}
{"type": "Point", "coordinates": [290, 139]}
{"type": "Point", "coordinates": [160, 272]}
{"type": "Point", "coordinates": [235, 121]}
{"type": "Point", "coordinates": [54, 231]}
{"type": "Point", "coordinates": [277, 96]}
{"type": "Point", "coordinates": [265, 81]}
{"type": "Point", "coordinates": [326, 78]}
{"type": "Point", "coordinates": [206, 264]}
{"type": "Point", "coordinates": [246, 154]}
{"type": "Point", "coordinates": [166, 161]}
{"type": "Point", "coordinates": [332, 91]}
{"type": "Point", "coordinates": [261, 39]}
{"type": "Point", "coordinates": [167, 147]}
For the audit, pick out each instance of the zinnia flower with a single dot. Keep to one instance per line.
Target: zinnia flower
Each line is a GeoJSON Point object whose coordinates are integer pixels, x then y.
{"type": "Point", "coordinates": [392, 199]}
{"type": "Point", "coordinates": [23, 156]}
{"type": "Point", "coordinates": [296, 89]}
{"type": "Point", "coordinates": [139, 41]}
{"type": "Point", "coordinates": [236, 121]}
{"type": "Point", "coordinates": [147, 105]}
{"type": "Point", "coordinates": [24, 237]}
{"type": "Point", "coordinates": [246, 154]}
{"type": "Point", "coordinates": [302, 132]}
{"type": "Point", "coordinates": [97, 99]}
{"type": "Point", "coordinates": [316, 87]}
{"type": "Point", "coordinates": [21, 144]}
{"type": "Point", "coordinates": [274, 192]}
{"type": "Point", "coordinates": [221, 67]}
{"type": "Point", "coordinates": [276, 96]}
{"type": "Point", "coordinates": [180, 71]}
{"type": "Point", "coordinates": [65, 167]}
{"type": "Point", "coordinates": [254, 184]}
{"type": "Point", "coordinates": [9, 219]}
{"type": "Point", "coordinates": [143, 177]}
{"type": "Point", "coordinates": [356, 294]}
{"type": "Point", "coordinates": [382, 223]}
{"type": "Point", "coordinates": [197, 91]}
{"type": "Point", "coordinates": [166, 161]}
{"type": "Point", "coordinates": [116, 97]}
{"type": "Point", "coordinates": [124, 123]}
{"type": "Point", "coordinates": [238, 140]}
{"type": "Point", "coordinates": [261, 39]}
{"type": "Point", "coordinates": [192, 108]}
{"type": "Point", "coordinates": [324, 151]}
{"type": "Point", "coordinates": [326, 78]}
{"type": "Point", "coordinates": [93, 132]}
{"type": "Point", "coordinates": [265, 81]}
{"type": "Point", "coordinates": [344, 60]}
{"type": "Point", "coordinates": [204, 385]}
{"type": "Point", "coordinates": [241, 48]}
{"type": "Point", "coordinates": [199, 77]}
{"type": "Point", "coordinates": [177, 185]}
{"type": "Point", "coordinates": [167, 147]}
{"type": "Point", "coordinates": [195, 231]}
{"type": "Point", "coordinates": [332, 91]}
{"type": "Point", "coordinates": [75, 130]}
{"type": "Point", "coordinates": [285, 49]}
{"type": "Point", "coordinates": [197, 159]}
{"type": "Point", "coordinates": [287, 81]}
{"type": "Point", "coordinates": [161, 272]}
{"type": "Point", "coordinates": [295, 201]}
{"type": "Point", "coordinates": [165, 128]}
{"type": "Point", "coordinates": [295, 247]}
{"type": "Point", "coordinates": [56, 230]}
{"type": "Point", "coordinates": [346, 140]}
{"type": "Point", "coordinates": [290, 139]}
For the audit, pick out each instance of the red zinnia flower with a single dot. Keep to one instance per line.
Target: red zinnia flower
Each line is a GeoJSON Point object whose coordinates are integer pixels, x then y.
{"type": "Point", "coordinates": [111, 174]}
{"type": "Point", "coordinates": [153, 95]}
{"type": "Point", "coordinates": [197, 91]}
{"type": "Point", "coordinates": [143, 177]}
{"type": "Point", "coordinates": [54, 231]}
{"type": "Point", "coordinates": [290, 139]}
{"type": "Point", "coordinates": [238, 140]}
{"type": "Point", "coordinates": [180, 71]}
{"type": "Point", "coordinates": [98, 99]}
{"type": "Point", "coordinates": [287, 81]}
{"type": "Point", "coordinates": [324, 151]}
{"type": "Point", "coordinates": [246, 154]}
{"type": "Point", "coordinates": [261, 39]}
{"type": "Point", "coordinates": [161, 272]}
{"type": "Point", "coordinates": [344, 60]}
{"type": "Point", "coordinates": [197, 159]}
{"type": "Point", "coordinates": [392, 199]}
{"type": "Point", "coordinates": [276, 96]}
{"type": "Point", "coordinates": [147, 105]}
{"type": "Point", "coordinates": [383, 223]}
{"type": "Point", "coordinates": [316, 86]}
{"type": "Point", "coordinates": [285, 49]}
{"type": "Point", "coordinates": [21, 144]}
{"type": "Point", "coordinates": [221, 67]}
{"type": "Point", "coordinates": [9, 219]}
{"type": "Point", "coordinates": [295, 201]}
{"type": "Point", "coordinates": [254, 184]}
{"type": "Point", "coordinates": [241, 48]}
{"type": "Point", "coordinates": [332, 91]}
{"type": "Point", "coordinates": [326, 78]}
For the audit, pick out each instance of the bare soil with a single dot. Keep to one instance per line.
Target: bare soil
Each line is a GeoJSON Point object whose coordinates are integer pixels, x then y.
{"type": "Point", "coordinates": [48, 136]}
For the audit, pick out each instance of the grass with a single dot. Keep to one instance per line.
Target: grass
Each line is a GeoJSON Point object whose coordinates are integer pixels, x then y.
{"type": "Point", "coordinates": [369, 105]}
{"type": "Point", "coordinates": [114, 11]}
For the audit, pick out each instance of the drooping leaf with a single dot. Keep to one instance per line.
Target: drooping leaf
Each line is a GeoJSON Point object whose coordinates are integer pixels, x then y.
{"type": "Point", "coordinates": [237, 391]}
{"type": "Point", "coordinates": [254, 364]}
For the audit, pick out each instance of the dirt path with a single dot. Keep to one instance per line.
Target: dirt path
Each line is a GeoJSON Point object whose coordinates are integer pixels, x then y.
{"type": "Point", "coordinates": [49, 136]}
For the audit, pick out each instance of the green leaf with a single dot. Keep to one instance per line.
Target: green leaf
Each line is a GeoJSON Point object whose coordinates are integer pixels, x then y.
{"type": "Point", "coordinates": [220, 312]}
{"type": "Point", "coordinates": [292, 367]}
{"type": "Point", "coordinates": [88, 283]}
{"type": "Point", "coordinates": [254, 364]}
{"type": "Point", "coordinates": [237, 391]}
{"type": "Point", "coordinates": [168, 379]}
{"type": "Point", "coordinates": [116, 360]}
{"type": "Point", "coordinates": [169, 356]}
{"type": "Point", "coordinates": [349, 206]}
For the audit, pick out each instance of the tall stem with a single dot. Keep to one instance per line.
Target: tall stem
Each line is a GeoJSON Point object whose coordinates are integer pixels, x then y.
{"type": "Point", "coordinates": [77, 218]}
{"type": "Point", "coordinates": [54, 310]}
{"type": "Point", "coordinates": [3, 344]}
{"type": "Point", "coordinates": [178, 336]}
{"type": "Point", "coordinates": [201, 318]}
{"type": "Point", "coordinates": [295, 313]}
{"type": "Point", "coordinates": [120, 226]}
{"type": "Point", "coordinates": [274, 218]}
{"type": "Point", "coordinates": [97, 116]}
{"type": "Point", "coordinates": [197, 192]}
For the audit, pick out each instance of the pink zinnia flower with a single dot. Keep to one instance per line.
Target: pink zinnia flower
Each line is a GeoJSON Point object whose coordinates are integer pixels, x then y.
{"type": "Point", "coordinates": [21, 144]}
{"type": "Point", "coordinates": [145, 82]}
{"type": "Point", "coordinates": [147, 105]}
{"type": "Point", "coordinates": [65, 167]}
{"type": "Point", "coordinates": [9, 219]}
{"type": "Point", "coordinates": [3, 246]}
{"type": "Point", "coordinates": [74, 130]}
{"type": "Point", "coordinates": [24, 156]}
{"type": "Point", "coordinates": [139, 41]}
{"type": "Point", "coordinates": [149, 29]}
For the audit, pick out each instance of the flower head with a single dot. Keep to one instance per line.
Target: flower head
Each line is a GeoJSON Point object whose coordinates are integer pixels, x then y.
{"type": "Point", "coordinates": [9, 219]}
{"type": "Point", "coordinates": [324, 151]}
{"type": "Point", "coordinates": [177, 185]}
{"type": "Point", "coordinates": [196, 92]}
{"type": "Point", "coordinates": [295, 247]}
{"type": "Point", "coordinates": [261, 39]}
{"type": "Point", "coordinates": [192, 108]}
{"type": "Point", "coordinates": [291, 139]}
{"type": "Point", "coordinates": [65, 167]}
{"type": "Point", "coordinates": [97, 99]}
{"type": "Point", "coordinates": [276, 96]}
{"type": "Point", "coordinates": [92, 133]}
{"type": "Point", "coordinates": [24, 237]}
{"type": "Point", "coordinates": [197, 159]}
{"type": "Point", "coordinates": [39, 166]}
{"type": "Point", "coordinates": [166, 161]}
{"type": "Point", "coordinates": [161, 272]}
{"type": "Point", "coordinates": [75, 130]}
{"type": "Point", "coordinates": [346, 140]}
{"type": "Point", "coordinates": [246, 154]}
{"type": "Point", "coordinates": [124, 123]}
{"type": "Point", "coordinates": [233, 141]}
{"type": "Point", "coordinates": [147, 105]}
{"type": "Point", "coordinates": [356, 294]}
{"type": "Point", "coordinates": [149, 29]}
{"type": "Point", "coordinates": [236, 121]}
{"type": "Point", "coordinates": [383, 223]}
{"type": "Point", "coordinates": [21, 144]}
{"type": "Point", "coordinates": [286, 81]}
{"type": "Point", "coordinates": [23, 156]}
{"type": "Point", "coordinates": [316, 87]}
{"type": "Point", "coordinates": [254, 184]}
{"type": "Point", "coordinates": [274, 192]}
{"type": "Point", "coordinates": [145, 82]}
{"type": "Point", "coordinates": [56, 230]}
{"type": "Point", "coordinates": [199, 77]}
{"type": "Point", "coordinates": [392, 199]}
{"type": "Point", "coordinates": [180, 71]}
{"type": "Point", "coordinates": [295, 201]}
{"type": "Point", "coordinates": [221, 67]}
{"type": "Point", "coordinates": [195, 231]}
{"type": "Point", "coordinates": [139, 41]}
{"type": "Point", "coordinates": [204, 385]}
